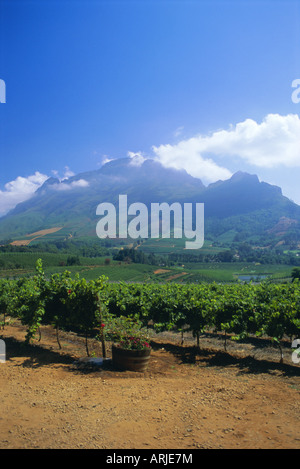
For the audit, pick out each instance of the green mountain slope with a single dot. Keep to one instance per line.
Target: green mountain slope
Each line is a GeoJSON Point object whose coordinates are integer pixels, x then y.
{"type": "Point", "coordinates": [240, 207]}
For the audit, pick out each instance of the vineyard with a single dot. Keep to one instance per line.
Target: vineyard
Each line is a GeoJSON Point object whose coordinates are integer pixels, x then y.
{"type": "Point", "coordinates": [73, 304]}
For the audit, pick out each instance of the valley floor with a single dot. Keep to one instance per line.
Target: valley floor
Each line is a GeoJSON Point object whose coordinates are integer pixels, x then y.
{"type": "Point", "coordinates": [184, 401]}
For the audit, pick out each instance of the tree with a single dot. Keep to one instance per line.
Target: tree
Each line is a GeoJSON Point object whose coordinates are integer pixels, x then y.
{"type": "Point", "coordinates": [296, 273]}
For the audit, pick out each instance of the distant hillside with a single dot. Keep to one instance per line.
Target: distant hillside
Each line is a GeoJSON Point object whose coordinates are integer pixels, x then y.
{"type": "Point", "coordinates": [240, 208]}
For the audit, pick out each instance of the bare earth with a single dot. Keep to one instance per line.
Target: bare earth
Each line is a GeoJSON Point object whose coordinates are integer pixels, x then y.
{"type": "Point", "coordinates": [184, 401]}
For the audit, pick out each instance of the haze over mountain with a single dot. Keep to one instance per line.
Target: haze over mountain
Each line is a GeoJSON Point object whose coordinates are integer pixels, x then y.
{"type": "Point", "coordinates": [241, 204]}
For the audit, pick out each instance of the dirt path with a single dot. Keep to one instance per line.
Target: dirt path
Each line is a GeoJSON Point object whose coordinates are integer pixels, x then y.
{"type": "Point", "coordinates": [184, 401]}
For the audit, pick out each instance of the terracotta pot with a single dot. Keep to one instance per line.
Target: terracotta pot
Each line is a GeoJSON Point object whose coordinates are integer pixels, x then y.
{"type": "Point", "coordinates": [133, 360]}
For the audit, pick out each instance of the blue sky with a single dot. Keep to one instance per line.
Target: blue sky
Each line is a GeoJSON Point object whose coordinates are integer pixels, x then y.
{"type": "Point", "coordinates": [204, 86]}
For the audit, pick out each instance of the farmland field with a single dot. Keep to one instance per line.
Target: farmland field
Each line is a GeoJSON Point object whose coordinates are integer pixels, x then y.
{"type": "Point", "coordinates": [14, 264]}
{"type": "Point", "coordinates": [213, 393]}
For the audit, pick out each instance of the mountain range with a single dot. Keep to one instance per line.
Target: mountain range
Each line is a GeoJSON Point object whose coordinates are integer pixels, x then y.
{"type": "Point", "coordinates": [238, 209]}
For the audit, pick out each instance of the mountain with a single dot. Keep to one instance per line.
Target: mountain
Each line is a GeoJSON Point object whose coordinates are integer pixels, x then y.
{"type": "Point", "coordinates": [241, 204]}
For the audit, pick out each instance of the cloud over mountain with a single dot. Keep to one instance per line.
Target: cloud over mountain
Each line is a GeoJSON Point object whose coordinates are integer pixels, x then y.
{"type": "Point", "coordinates": [23, 188]}
{"type": "Point", "coordinates": [272, 143]}
{"type": "Point", "coordinates": [241, 204]}
{"type": "Point", "coordinates": [65, 186]}
{"type": "Point", "coordinates": [19, 190]}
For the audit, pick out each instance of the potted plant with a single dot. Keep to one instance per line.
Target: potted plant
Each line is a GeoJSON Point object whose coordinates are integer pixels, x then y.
{"type": "Point", "coordinates": [131, 348]}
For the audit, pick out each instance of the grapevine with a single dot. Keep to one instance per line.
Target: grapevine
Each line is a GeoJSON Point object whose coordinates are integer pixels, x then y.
{"type": "Point", "coordinates": [91, 307]}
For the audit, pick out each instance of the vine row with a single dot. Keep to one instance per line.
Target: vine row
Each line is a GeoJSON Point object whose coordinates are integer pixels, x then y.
{"type": "Point", "coordinates": [66, 303]}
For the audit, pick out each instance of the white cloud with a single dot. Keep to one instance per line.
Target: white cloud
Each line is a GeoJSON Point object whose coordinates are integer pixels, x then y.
{"type": "Point", "coordinates": [19, 190]}
{"type": "Point", "coordinates": [137, 159]}
{"type": "Point", "coordinates": [187, 155]}
{"type": "Point", "coordinates": [178, 131]}
{"type": "Point", "coordinates": [63, 186]}
{"type": "Point", "coordinates": [68, 173]}
{"type": "Point", "coordinates": [105, 160]}
{"type": "Point", "coordinates": [272, 143]}
{"type": "Point", "coordinates": [23, 188]}
{"type": "Point", "coordinates": [80, 183]}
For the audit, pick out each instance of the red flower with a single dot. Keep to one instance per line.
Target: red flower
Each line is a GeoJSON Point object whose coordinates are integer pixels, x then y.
{"type": "Point", "coordinates": [69, 291]}
{"type": "Point", "coordinates": [102, 325]}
